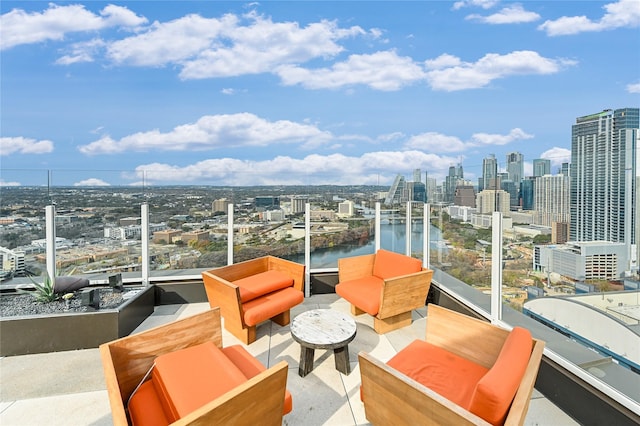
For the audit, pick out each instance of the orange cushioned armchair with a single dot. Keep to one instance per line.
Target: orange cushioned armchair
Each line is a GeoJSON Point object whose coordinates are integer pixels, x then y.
{"type": "Point", "coordinates": [180, 374]}
{"type": "Point", "coordinates": [386, 285]}
{"type": "Point", "coordinates": [254, 291]}
{"type": "Point", "coordinates": [466, 372]}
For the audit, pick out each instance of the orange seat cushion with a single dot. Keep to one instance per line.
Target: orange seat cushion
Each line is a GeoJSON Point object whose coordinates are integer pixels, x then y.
{"type": "Point", "coordinates": [189, 378]}
{"type": "Point", "coordinates": [263, 283]}
{"type": "Point", "coordinates": [362, 292]}
{"type": "Point", "coordinates": [495, 391]}
{"type": "Point", "coordinates": [388, 264]}
{"type": "Point", "coordinates": [250, 367]}
{"type": "Point", "coordinates": [270, 305]}
{"type": "Point", "coordinates": [145, 408]}
{"type": "Point", "coordinates": [449, 375]}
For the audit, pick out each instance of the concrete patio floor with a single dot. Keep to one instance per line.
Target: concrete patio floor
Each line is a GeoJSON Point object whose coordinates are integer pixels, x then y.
{"type": "Point", "coordinates": [67, 388]}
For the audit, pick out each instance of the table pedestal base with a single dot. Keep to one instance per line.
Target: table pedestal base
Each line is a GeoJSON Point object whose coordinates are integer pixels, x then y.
{"type": "Point", "coordinates": [341, 358]}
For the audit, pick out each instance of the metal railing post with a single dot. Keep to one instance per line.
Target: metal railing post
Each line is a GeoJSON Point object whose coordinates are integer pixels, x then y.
{"type": "Point", "coordinates": [496, 267]}
{"type": "Point", "coordinates": [407, 231]}
{"type": "Point", "coordinates": [230, 234]}
{"type": "Point", "coordinates": [144, 214]}
{"type": "Point", "coordinates": [426, 236]}
{"type": "Point", "coordinates": [377, 227]}
{"type": "Point", "coordinates": [50, 230]}
{"type": "Point", "coordinates": [307, 250]}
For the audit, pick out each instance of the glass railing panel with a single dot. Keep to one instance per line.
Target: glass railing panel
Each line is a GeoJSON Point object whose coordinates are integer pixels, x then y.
{"type": "Point", "coordinates": [23, 197]}
{"type": "Point", "coordinates": [188, 226]}
{"type": "Point", "coordinates": [98, 225]}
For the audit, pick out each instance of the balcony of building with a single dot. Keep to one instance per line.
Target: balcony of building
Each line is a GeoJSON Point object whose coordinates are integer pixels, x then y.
{"type": "Point", "coordinates": [576, 384]}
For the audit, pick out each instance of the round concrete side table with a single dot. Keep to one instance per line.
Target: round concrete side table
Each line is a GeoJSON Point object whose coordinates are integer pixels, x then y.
{"type": "Point", "coordinates": [323, 329]}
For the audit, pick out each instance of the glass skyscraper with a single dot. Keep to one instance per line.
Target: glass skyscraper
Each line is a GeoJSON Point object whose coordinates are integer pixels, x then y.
{"type": "Point", "coordinates": [604, 171]}
{"type": "Point", "coordinates": [541, 167]}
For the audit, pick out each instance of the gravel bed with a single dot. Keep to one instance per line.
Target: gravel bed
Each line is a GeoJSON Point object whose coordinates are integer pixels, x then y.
{"type": "Point", "coordinates": [24, 304]}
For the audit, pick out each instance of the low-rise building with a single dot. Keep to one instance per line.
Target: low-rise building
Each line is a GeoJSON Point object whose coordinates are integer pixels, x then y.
{"type": "Point", "coordinates": [582, 261]}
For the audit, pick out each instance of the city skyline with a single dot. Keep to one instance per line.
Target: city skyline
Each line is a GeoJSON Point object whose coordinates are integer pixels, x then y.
{"type": "Point", "coordinates": [302, 93]}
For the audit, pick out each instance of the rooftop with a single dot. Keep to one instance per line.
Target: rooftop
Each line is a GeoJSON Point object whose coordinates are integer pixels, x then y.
{"type": "Point", "coordinates": [67, 388]}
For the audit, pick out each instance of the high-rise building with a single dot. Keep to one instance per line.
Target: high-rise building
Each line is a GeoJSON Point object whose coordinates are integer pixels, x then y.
{"type": "Point", "coordinates": [604, 171]}
{"type": "Point", "coordinates": [489, 201]}
{"type": "Point", "coordinates": [515, 167]}
{"type": "Point", "coordinates": [465, 196]}
{"type": "Point", "coordinates": [417, 175]}
{"type": "Point", "coordinates": [541, 167]}
{"type": "Point", "coordinates": [220, 205]}
{"type": "Point", "coordinates": [432, 186]}
{"type": "Point", "coordinates": [489, 173]}
{"type": "Point", "coordinates": [396, 191]}
{"type": "Point", "coordinates": [510, 187]}
{"type": "Point", "coordinates": [559, 232]}
{"type": "Point", "coordinates": [527, 187]}
{"type": "Point", "coordinates": [551, 199]}
{"type": "Point", "coordinates": [565, 168]}
{"type": "Point", "coordinates": [453, 179]}
{"type": "Point", "coordinates": [298, 203]}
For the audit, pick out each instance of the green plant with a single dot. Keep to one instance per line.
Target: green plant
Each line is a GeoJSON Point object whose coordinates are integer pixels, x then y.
{"type": "Point", "coordinates": [44, 292]}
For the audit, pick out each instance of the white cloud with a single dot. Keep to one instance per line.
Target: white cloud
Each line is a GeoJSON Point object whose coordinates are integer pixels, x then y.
{"type": "Point", "coordinates": [82, 52]}
{"type": "Point", "coordinates": [443, 61]}
{"type": "Point", "coordinates": [20, 145]}
{"type": "Point", "coordinates": [620, 14]}
{"type": "Point", "coordinates": [438, 142]}
{"type": "Point", "coordinates": [381, 71]}
{"type": "Point", "coordinates": [5, 183]}
{"type": "Point", "coordinates": [265, 45]}
{"type": "Point", "coordinates": [370, 168]}
{"type": "Point", "coordinates": [633, 88]}
{"type": "Point", "coordinates": [484, 4]}
{"type": "Point", "coordinates": [92, 182]}
{"type": "Point", "coordinates": [172, 42]}
{"type": "Point", "coordinates": [230, 45]}
{"type": "Point", "coordinates": [20, 27]}
{"type": "Point", "coordinates": [211, 132]}
{"type": "Point", "coordinates": [514, 14]}
{"type": "Point", "coordinates": [435, 142]}
{"type": "Point", "coordinates": [484, 139]}
{"type": "Point", "coordinates": [557, 156]}
{"type": "Point", "coordinates": [473, 75]}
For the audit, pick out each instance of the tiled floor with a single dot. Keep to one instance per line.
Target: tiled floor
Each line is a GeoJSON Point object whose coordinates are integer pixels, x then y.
{"type": "Point", "coordinates": [67, 388]}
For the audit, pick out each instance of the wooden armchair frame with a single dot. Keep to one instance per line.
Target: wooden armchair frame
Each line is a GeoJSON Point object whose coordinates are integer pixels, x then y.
{"type": "Point", "coordinates": [221, 291]}
{"type": "Point", "coordinates": [125, 361]}
{"type": "Point", "coordinates": [391, 397]}
{"type": "Point", "coordinates": [400, 295]}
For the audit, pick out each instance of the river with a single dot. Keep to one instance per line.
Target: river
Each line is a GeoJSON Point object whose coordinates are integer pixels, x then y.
{"type": "Point", "coordinates": [392, 237]}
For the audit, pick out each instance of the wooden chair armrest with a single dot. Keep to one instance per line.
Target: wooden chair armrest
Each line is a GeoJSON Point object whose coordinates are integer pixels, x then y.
{"type": "Point", "coordinates": [260, 400]}
{"type": "Point", "coordinates": [520, 404]}
{"type": "Point", "coordinates": [126, 360]}
{"type": "Point", "coordinates": [476, 340]}
{"type": "Point", "coordinates": [350, 268]}
{"type": "Point", "coordinates": [391, 398]}
{"type": "Point", "coordinates": [226, 295]}
{"type": "Point", "coordinates": [293, 269]}
{"type": "Point", "coordinates": [404, 293]}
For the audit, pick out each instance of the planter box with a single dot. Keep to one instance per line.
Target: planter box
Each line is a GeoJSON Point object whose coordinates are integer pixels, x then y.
{"type": "Point", "coordinates": [70, 331]}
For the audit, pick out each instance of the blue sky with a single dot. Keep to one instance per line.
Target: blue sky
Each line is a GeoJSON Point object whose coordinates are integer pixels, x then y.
{"type": "Point", "coordinates": [301, 92]}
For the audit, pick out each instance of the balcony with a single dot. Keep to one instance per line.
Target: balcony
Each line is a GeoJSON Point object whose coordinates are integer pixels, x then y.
{"type": "Point", "coordinates": [574, 382]}
{"type": "Point", "coordinates": [67, 388]}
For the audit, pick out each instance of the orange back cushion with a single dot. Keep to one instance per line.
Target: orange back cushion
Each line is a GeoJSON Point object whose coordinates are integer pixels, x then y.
{"type": "Point", "coordinates": [189, 378]}
{"type": "Point", "coordinates": [263, 283]}
{"type": "Point", "coordinates": [495, 391]}
{"type": "Point", "coordinates": [388, 264]}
